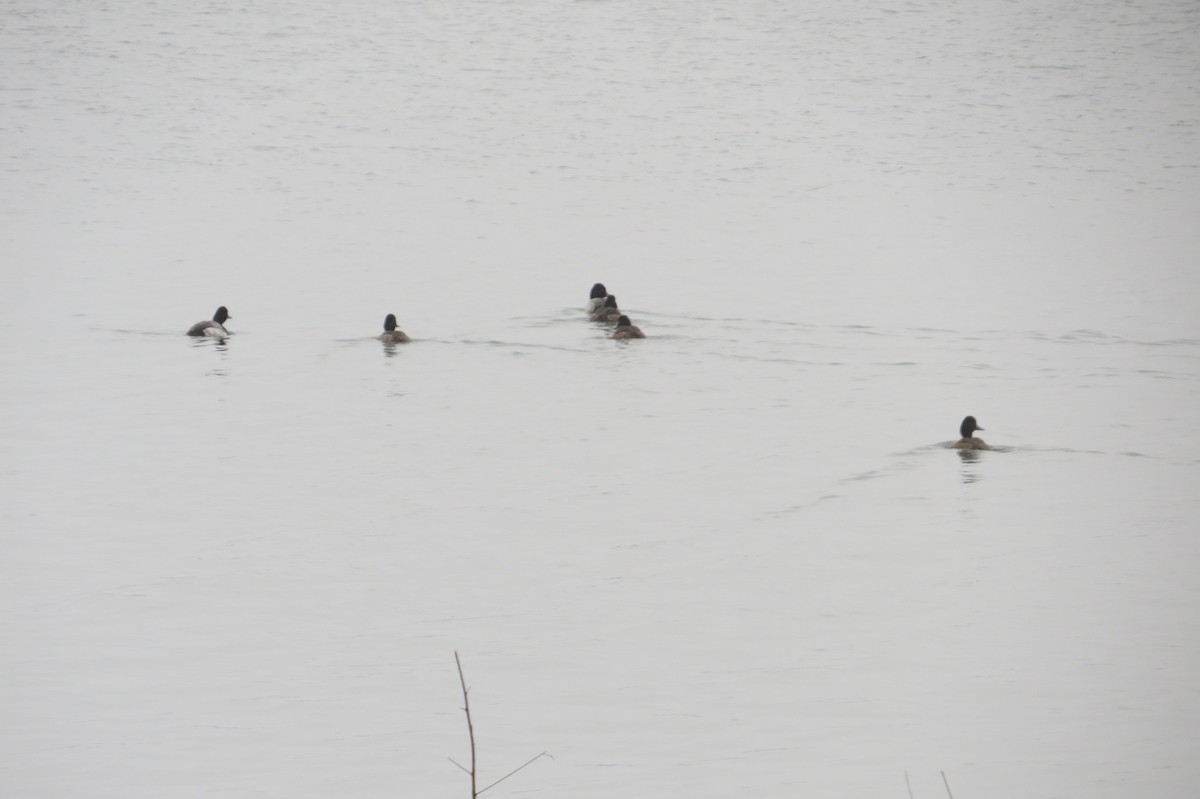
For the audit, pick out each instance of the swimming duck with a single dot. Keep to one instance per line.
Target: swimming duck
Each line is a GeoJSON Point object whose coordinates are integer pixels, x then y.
{"type": "Point", "coordinates": [390, 334]}
{"type": "Point", "coordinates": [609, 312]}
{"type": "Point", "coordinates": [214, 328]}
{"type": "Point", "coordinates": [596, 298]}
{"type": "Point", "coordinates": [627, 329]}
{"type": "Point", "coordinates": [968, 441]}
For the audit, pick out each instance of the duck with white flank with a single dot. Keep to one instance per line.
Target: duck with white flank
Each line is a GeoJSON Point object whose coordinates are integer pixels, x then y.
{"type": "Point", "coordinates": [596, 298]}
{"type": "Point", "coordinates": [214, 328]}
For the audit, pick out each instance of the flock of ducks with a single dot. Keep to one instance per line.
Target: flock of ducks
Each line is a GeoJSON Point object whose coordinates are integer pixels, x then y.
{"type": "Point", "coordinates": [601, 307]}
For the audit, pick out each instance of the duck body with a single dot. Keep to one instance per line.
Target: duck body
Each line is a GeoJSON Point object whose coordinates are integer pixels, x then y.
{"type": "Point", "coordinates": [214, 328]}
{"type": "Point", "coordinates": [627, 329]}
{"type": "Point", "coordinates": [608, 313]}
{"type": "Point", "coordinates": [390, 334]}
{"type": "Point", "coordinates": [596, 298]}
{"type": "Point", "coordinates": [967, 431]}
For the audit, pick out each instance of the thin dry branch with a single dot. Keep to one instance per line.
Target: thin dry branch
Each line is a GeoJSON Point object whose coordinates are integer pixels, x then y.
{"type": "Point", "coordinates": [470, 726]}
{"type": "Point", "coordinates": [518, 768]}
{"type": "Point", "coordinates": [473, 770]}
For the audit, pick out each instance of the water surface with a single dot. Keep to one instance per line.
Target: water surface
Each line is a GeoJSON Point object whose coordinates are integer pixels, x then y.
{"type": "Point", "coordinates": [735, 558]}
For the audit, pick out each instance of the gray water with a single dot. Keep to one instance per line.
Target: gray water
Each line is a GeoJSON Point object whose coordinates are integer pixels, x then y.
{"type": "Point", "coordinates": [733, 559]}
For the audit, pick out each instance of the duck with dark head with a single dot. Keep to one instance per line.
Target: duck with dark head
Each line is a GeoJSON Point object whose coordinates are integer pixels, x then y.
{"type": "Point", "coordinates": [627, 329]}
{"type": "Point", "coordinates": [608, 313]}
{"type": "Point", "coordinates": [390, 334]}
{"type": "Point", "coordinates": [214, 328]}
{"type": "Point", "coordinates": [596, 298]}
{"type": "Point", "coordinates": [967, 431]}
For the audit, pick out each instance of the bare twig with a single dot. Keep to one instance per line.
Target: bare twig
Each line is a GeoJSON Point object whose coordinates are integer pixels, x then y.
{"type": "Point", "coordinates": [473, 770]}
{"type": "Point", "coordinates": [470, 727]}
{"type": "Point", "coordinates": [947, 785]}
{"type": "Point", "coordinates": [518, 768]}
{"type": "Point", "coordinates": [906, 782]}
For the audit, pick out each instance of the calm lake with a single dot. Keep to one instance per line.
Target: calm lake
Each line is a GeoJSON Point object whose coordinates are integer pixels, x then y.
{"type": "Point", "coordinates": [734, 559]}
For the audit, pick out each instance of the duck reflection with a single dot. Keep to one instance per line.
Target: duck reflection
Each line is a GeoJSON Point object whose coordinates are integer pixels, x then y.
{"type": "Point", "coordinates": [970, 457]}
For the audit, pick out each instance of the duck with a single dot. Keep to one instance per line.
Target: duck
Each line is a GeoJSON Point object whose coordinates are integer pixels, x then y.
{"type": "Point", "coordinates": [609, 312]}
{"type": "Point", "coordinates": [627, 329]}
{"type": "Point", "coordinates": [214, 328]}
{"type": "Point", "coordinates": [390, 334]}
{"type": "Point", "coordinates": [968, 441]}
{"type": "Point", "coordinates": [596, 298]}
